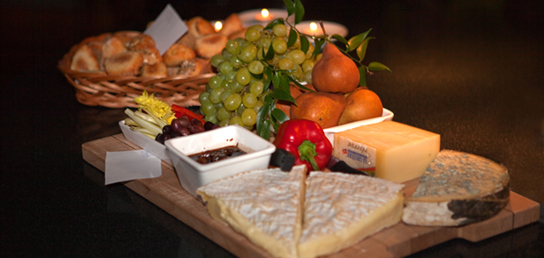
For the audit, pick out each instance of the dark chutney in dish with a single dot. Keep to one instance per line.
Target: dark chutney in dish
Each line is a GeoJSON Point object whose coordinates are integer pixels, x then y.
{"type": "Point", "coordinates": [217, 154]}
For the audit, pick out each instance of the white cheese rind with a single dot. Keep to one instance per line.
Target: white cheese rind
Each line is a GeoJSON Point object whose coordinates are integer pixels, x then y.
{"type": "Point", "coordinates": [395, 151]}
{"type": "Point", "coordinates": [456, 189]}
{"type": "Point", "coordinates": [264, 205]}
{"type": "Point", "coordinates": [342, 209]}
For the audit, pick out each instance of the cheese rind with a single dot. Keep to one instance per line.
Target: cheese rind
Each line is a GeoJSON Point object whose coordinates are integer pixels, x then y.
{"type": "Point", "coordinates": [457, 189]}
{"type": "Point", "coordinates": [342, 209]}
{"type": "Point", "coordinates": [263, 205]}
{"type": "Point", "coordinates": [395, 151]}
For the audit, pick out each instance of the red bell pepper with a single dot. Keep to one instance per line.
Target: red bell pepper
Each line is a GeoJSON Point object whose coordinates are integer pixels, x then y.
{"type": "Point", "coordinates": [306, 140]}
{"type": "Point", "coordinates": [179, 111]}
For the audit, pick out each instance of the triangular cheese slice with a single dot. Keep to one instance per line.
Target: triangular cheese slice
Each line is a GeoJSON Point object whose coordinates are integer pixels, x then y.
{"type": "Point", "coordinates": [263, 205]}
{"type": "Point", "coordinates": [342, 209]}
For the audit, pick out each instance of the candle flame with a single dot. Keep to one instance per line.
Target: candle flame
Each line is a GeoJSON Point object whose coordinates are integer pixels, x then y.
{"type": "Point", "coordinates": [264, 12]}
{"type": "Point", "coordinates": [313, 26]}
{"type": "Point", "coordinates": [218, 25]}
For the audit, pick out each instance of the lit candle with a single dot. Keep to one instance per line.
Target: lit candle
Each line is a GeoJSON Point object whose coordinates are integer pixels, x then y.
{"type": "Point", "coordinates": [313, 29]}
{"type": "Point", "coordinates": [264, 15]}
{"type": "Point", "coordinates": [218, 25]}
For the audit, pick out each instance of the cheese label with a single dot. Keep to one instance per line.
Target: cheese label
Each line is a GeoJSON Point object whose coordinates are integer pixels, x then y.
{"type": "Point", "coordinates": [395, 151]}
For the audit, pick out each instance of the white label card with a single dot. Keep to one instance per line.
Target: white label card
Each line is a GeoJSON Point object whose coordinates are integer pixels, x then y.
{"type": "Point", "coordinates": [166, 29]}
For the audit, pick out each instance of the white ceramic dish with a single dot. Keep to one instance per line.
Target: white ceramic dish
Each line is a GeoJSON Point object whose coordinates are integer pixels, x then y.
{"type": "Point", "coordinates": [157, 149]}
{"type": "Point", "coordinates": [193, 174]}
{"type": "Point", "coordinates": [387, 115]}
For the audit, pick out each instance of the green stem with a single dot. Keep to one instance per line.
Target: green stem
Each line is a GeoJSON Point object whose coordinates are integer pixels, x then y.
{"type": "Point", "coordinates": [307, 152]}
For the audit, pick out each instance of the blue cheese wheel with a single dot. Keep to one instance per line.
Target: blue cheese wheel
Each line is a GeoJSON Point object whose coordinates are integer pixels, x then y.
{"type": "Point", "coordinates": [456, 189]}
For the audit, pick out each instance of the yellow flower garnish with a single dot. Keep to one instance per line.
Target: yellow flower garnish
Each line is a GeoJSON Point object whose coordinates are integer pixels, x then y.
{"type": "Point", "coordinates": [158, 108]}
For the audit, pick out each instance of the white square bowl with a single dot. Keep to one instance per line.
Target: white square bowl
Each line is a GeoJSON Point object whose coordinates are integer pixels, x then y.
{"type": "Point", "coordinates": [192, 174]}
{"type": "Point", "coordinates": [154, 147]}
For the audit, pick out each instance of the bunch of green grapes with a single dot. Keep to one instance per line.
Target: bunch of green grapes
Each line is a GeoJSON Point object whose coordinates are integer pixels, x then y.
{"type": "Point", "coordinates": [236, 93]}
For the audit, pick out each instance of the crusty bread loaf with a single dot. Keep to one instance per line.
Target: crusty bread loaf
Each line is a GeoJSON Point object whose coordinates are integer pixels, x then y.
{"type": "Point", "coordinates": [457, 189]}
{"type": "Point", "coordinates": [178, 53]}
{"type": "Point", "coordinates": [85, 60]}
{"type": "Point", "coordinates": [238, 34]}
{"type": "Point", "coordinates": [210, 45]}
{"type": "Point", "coordinates": [232, 24]}
{"type": "Point", "coordinates": [154, 70]}
{"type": "Point", "coordinates": [126, 63]}
{"type": "Point", "coordinates": [146, 46]}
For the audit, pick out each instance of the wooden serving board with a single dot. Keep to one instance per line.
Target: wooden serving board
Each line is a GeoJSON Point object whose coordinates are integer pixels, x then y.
{"type": "Point", "coordinates": [397, 241]}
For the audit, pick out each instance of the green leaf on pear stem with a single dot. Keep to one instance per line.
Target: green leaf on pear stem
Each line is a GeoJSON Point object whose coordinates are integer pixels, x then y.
{"type": "Point", "coordinates": [362, 73]}
{"type": "Point", "coordinates": [355, 41]}
{"type": "Point", "coordinates": [279, 115]}
{"type": "Point", "coordinates": [340, 39]}
{"type": "Point", "coordinates": [361, 49]}
{"type": "Point", "coordinates": [290, 7]}
{"type": "Point", "coordinates": [377, 66]}
{"type": "Point", "coordinates": [299, 11]}
{"type": "Point", "coordinates": [304, 44]}
{"type": "Point", "coordinates": [293, 35]}
{"type": "Point", "coordinates": [318, 44]}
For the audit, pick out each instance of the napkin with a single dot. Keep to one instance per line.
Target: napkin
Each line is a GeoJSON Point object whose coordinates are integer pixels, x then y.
{"type": "Point", "coordinates": [129, 165]}
{"type": "Point", "coordinates": [166, 29]}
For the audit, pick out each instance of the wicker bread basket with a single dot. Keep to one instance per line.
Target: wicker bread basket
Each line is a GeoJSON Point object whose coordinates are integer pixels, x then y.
{"type": "Point", "coordinates": [99, 89]}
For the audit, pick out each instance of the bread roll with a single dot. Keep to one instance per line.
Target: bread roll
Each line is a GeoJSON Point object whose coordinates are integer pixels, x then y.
{"type": "Point", "coordinates": [154, 70]}
{"type": "Point", "coordinates": [238, 34]}
{"type": "Point", "coordinates": [178, 53]}
{"type": "Point", "coordinates": [85, 60]}
{"type": "Point", "coordinates": [112, 46]}
{"type": "Point", "coordinates": [232, 24]}
{"type": "Point", "coordinates": [126, 63]}
{"type": "Point", "coordinates": [210, 45]}
{"type": "Point", "coordinates": [199, 27]}
{"type": "Point", "coordinates": [146, 46]}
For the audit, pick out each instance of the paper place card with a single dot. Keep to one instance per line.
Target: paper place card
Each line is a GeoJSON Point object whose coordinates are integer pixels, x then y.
{"type": "Point", "coordinates": [166, 29]}
{"type": "Point", "coordinates": [129, 165]}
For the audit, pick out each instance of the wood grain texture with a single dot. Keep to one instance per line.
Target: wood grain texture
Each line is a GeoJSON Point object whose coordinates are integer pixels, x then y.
{"type": "Point", "coordinates": [397, 241]}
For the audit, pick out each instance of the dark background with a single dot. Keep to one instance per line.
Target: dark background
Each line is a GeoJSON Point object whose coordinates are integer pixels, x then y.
{"type": "Point", "coordinates": [471, 71]}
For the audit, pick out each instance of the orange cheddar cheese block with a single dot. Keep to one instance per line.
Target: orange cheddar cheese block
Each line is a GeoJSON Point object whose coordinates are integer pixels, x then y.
{"type": "Point", "coordinates": [394, 151]}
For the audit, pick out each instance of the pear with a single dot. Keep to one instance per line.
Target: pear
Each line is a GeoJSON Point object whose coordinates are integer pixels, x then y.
{"type": "Point", "coordinates": [361, 104]}
{"type": "Point", "coordinates": [323, 108]}
{"type": "Point", "coordinates": [335, 72]}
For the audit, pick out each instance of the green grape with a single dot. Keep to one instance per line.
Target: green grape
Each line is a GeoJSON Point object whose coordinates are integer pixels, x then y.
{"type": "Point", "coordinates": [279, 45]}
{"type": "Point", "coordinates": [240, 109]}
{"type": "Point", "coordinates": [226, 55]}
{"type": "Point", "coordinates": [297, 56]}
{"type": "Point", "coordinates": [236, 120]}
{"type": "Point", "coordinates": [249, 100]}
{"type": "Point", "coordinates": [218, 105]}
{"type": "Point", "coordinates": [265, 43]}
{"type": "Point", "coordinates": [297, 72]}
{"type": "Point", "coordinates": [249, 117]}
{"type": "Point", "coordinates": [256, 67]}
{"type": "Point", "coordinates": [223, 114]}
{"type": "Point", "coordinates": [230, 75]}
{"type": "Point", "coordinates": [308, 77]}
{"type": "Point", "coordinates": [318, 57]}
{"type": "Point", "coordinates": [215, 95]}
{"type": "Point", "coordinates": [256, 88]}
{"type": "Point", "coordinates": [242, 76]}
{"type": "Point", "coordinates": [208, 108]}
{"type": "Point", "coordinates": [225, 67]}
{"type": "Point", "coordinates": [235, 86]}
{"type": "Point", "coordinates": [232, 102]}
{"type": "Point", "coordinates": [233, 47]}
{"type": "Point", "coordinates": [236, 62]}
{"type": "Point", "coordinates": [215, 81]}
{"type": "Point", "coordinates": [307, 65]}
{"type": "Point", "coordinates": [258, 106]}
{"type": "Point", "coordinates": [279, 30]}
{"type": "Point", "coordinates": [211, 118]}
{"type": "Point", "coordinates": [203, 97]}
{"type": "Point", "coordinates": [252, 34]}
{"type": "Point", "coordinates": [240, 41]}
{"type": "Point", "coordinates": [248, 53]}
{"type": "Point", "coordinates": [227, 92]}
{"type": "Point", "coordinates": [216, 60]}
{"type": "Point", "coordinates": [224, 123]}
{"type": "Point", "coordinates": [274, 60]}
{"type": "Point", "coordinates": [286, 64]}
{"type": "Point", "coordinates": [258, 27]}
